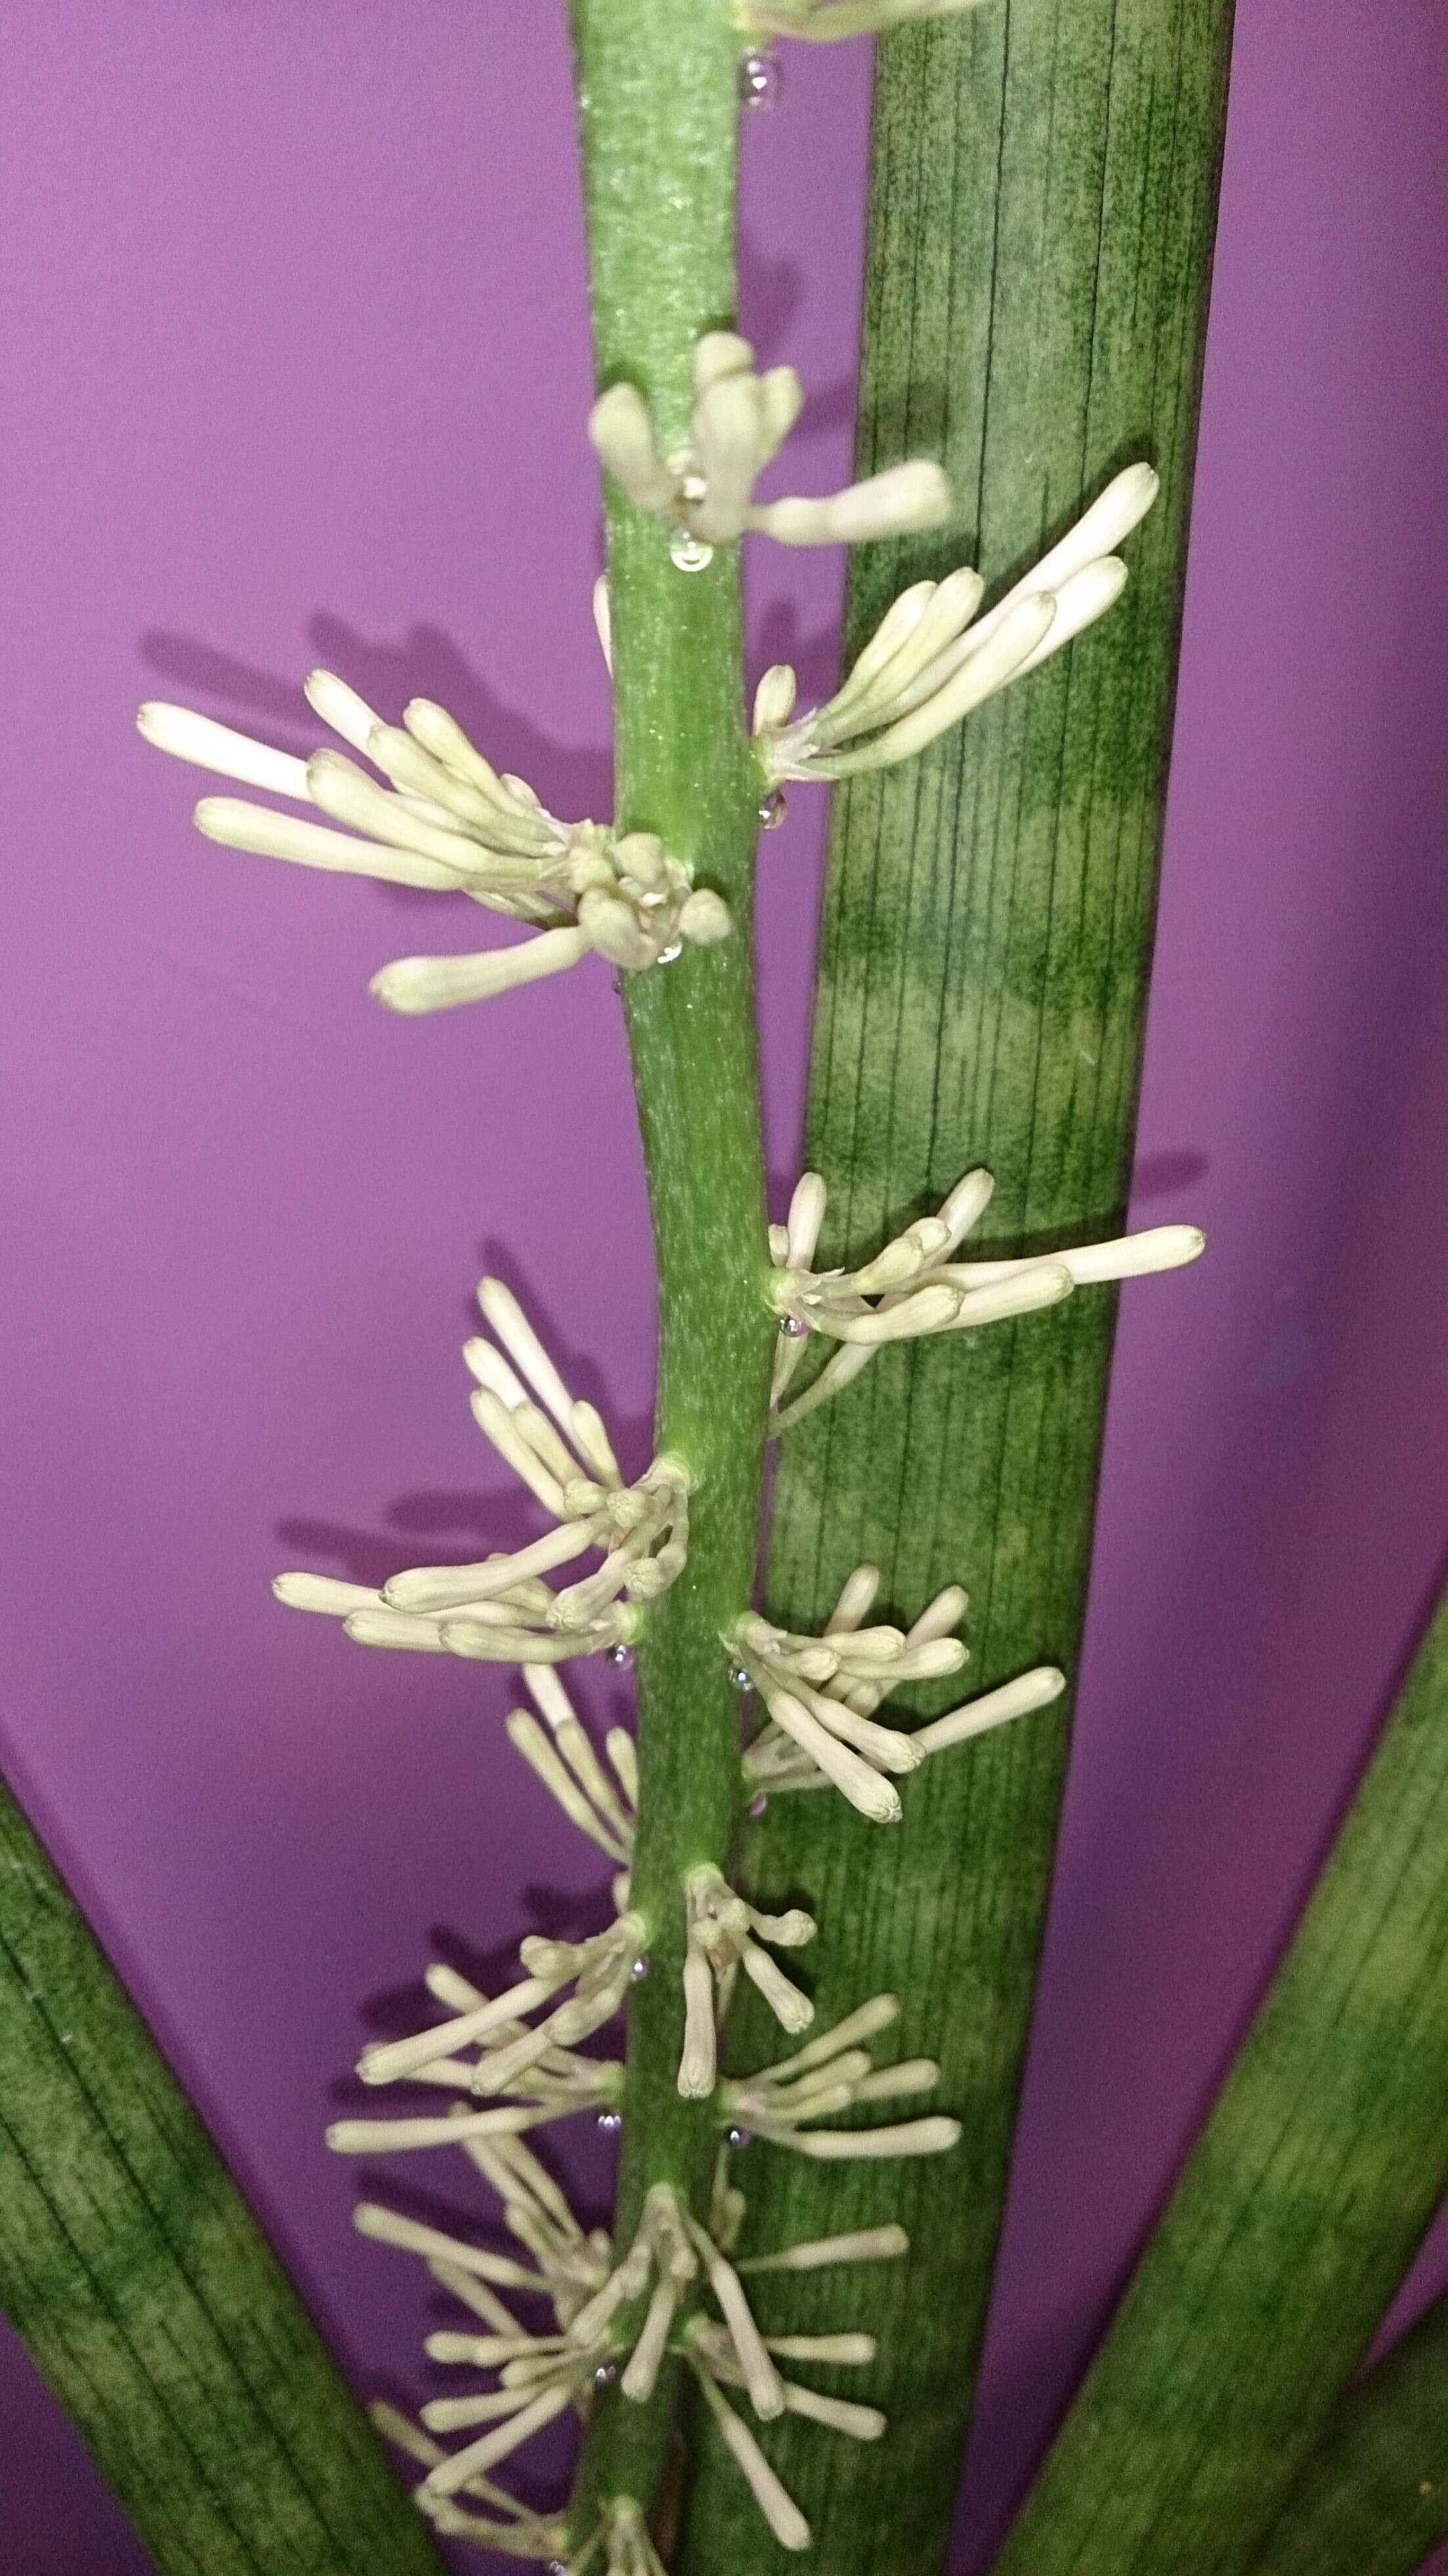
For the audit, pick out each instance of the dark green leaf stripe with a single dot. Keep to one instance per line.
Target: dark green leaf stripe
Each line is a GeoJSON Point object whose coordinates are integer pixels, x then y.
{"type": "Point", "coordinates": [1320, 2166]}
{"type": "Point", "coordinates": [1373, 2500]}
{"type": "Point", "coordinates": [1042, 205]}
{"type": "Point", "coordinates": [146, 2293]}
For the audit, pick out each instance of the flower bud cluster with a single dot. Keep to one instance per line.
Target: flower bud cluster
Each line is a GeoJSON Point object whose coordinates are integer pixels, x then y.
{"type": "Point", "coordinates": [501, 1610]}
{"type": "Point", "coordinates": [739, 423]}
{"type": "Point", "coordinates": [914, 1287]}
{"type": "Point", "coordinates": [447, 821]}
{"type": "Point", "coordinates": [933, 661]}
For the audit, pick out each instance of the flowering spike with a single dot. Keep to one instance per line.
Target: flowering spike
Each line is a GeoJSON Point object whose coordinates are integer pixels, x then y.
{"type": "Point", "coordinates": [740, 421]}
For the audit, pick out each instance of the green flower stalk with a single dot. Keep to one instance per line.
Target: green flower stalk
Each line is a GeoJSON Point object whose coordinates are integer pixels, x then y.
{"type": "Point", "coordinates": [652, 2324]}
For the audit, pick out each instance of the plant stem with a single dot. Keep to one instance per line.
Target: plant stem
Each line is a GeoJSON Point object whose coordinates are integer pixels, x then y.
{"type": "Point", "coordinates": [658, 93]}
{"type": "Point", "coordinates": [145, 2291]}
{"type": "Point", "coordinates": [1042, 205]}
{"type": "Point", "coordinates": [1320, 2166]}
{"type": "Point", "coordinates": [1373, 2498]}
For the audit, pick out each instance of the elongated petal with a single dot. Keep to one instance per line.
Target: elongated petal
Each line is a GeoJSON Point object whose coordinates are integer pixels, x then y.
{"type": "Point", "coordinates": [1012, 642]}
{"type": "Point", "coordinates": [501, 1310]}
{"type": "Point", "coordinates": [779, 2509]}
{"type": "Point", "coordinates": [340, 708]}
{"type": "Point", "coordinates": [932, 2137]}
{"type": "Point", "coordinates": [322, 1592]}
{"type": "Point", "coordinates": [730, 439]}
{"type": "Point", "coordinates": [415, 985]}
{"type": "Point", "coordinates": [239, 826]}
{"type": "Point", "coordinates": [1130, 1256]}
{"type": "Point", "coordinates": [391, 1629]}
{"type": "Point", "coordinates": [623, 437]}
{"type": "Point", "coordinates": [215, 746]}
{"type": "Point", "coordinates": [852, 1775]}
{"type": "Point", "coordinates": [925, 1310]}
{"type": "Point", "coordinates": [1019, 1698]}
{"type": "Point", "coordinates": [888, 2244]}
{"type": "Point", "coordinates": [344, 792]}
{"type": "Point", "coordinates": [902, 499]}
{"type": "Point", "coordinates": [389, 2227]}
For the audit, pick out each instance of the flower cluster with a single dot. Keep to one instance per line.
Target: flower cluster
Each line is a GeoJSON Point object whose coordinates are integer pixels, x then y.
{"type": "Point", "coordinates": [914, 1287]}
{"type": "Point", "coordinates": [447, 821]}
{"type": "Point", "coordinates": [724, 1934]}
{"type": "Point", "coordinates": [829, 2076]}
{"type": "Point", "coordinates": [501, 1611]}
{"type": "Point", "coordinates": [818, 1691]}
{"type": "Point", "coordinates": [616, 2316]}
{"type": "Point", "coordinates": [825, 22]}
{"type": "Point", "coordinates": [932, 660]}
{"type": "Point", "coordinates": [741, 419]}
{"type": "Point", "coordinates": [821, 1694]}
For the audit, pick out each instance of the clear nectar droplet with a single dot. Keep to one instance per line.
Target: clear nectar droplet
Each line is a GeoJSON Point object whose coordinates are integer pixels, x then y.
{"type": "Point", "coordinates": [772, 810]}
{"type": "Point", "coordinates": [740, 2137]}
{"type": "Point", "coordinates": [793, 1327]}
{"type": "Point", "coordinates": [687, 554]}
{"type": "Point", "coordinates": [739, 1676]}
{"type": "Point", "coordinates": [610, 2122]}
{"type": "Point", "coordinates": [604, 2377]}
{"type": "Point", "coordinates": [639, 1971]}
{"type": "Point", "coordinates": [758, 1806]}
{"type": "Point", "coordinates": [667, 955]}
{"type": "Point", "coordinates": [620, 1656]}
{"type": "Point", "coordinates": [759, 81]}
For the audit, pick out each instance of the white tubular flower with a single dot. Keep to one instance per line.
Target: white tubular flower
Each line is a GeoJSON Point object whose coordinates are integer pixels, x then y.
{"type": "Point", "coordinates": [720, 1938]}
{"type": "Point", "coordinates": [914, 1286]}
{"type": "Point", "coordinates": [811, 1686]}
{"type": "Point", "coordinates": [501, 1611]}
{"type": "Point", "coordinates": [778, 2507]}
{"type": "Point", "coordinates": [888, 2244]}
{"type": "Point", "coordinates": [826, 22]}
{"type": "Point", "coordinates": [447, 821]}
{"type": "Point", "coordinates": [933, 661]}
{"type": "Point", "coordinates": [740, 421]}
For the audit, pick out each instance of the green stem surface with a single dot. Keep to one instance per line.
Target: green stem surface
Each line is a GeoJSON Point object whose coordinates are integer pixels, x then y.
{"type": "Point", "coordinates": [658, 91]}
{"type": "Point", "coordinates": [1304, 2200]}
{"type": "Point", "coordinates": [1373, 2498]}
{"type": "Point", "coordinates": [1042, 205]}
{"type": "Point", "coordinates": [146, 2293]}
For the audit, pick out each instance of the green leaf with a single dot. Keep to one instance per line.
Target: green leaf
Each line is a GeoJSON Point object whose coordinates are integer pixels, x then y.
{"type": "Point", "coordinates": [1320, 2166]}
{"type": "Point", "coordinates": [1042, 204]}
{"type": "Point", "coordinates": [1373, 2499]}
{"type": "Point", "coordinates": [146, 2292]}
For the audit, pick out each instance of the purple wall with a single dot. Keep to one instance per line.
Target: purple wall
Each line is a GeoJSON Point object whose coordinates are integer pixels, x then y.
{"type": "Point", "coordinates": [297, 297]}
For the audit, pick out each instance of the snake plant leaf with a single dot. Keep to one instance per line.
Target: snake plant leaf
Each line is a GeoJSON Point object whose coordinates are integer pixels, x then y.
{"type": "Point", "coordinates": [1043, 197]}
{"type": "Point", "coordinates": [1321, 2164]}
{"type": "Point", "coordinates": [1373, 2498]}
{"type": "Point", "coordinates": [149, 2299]}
